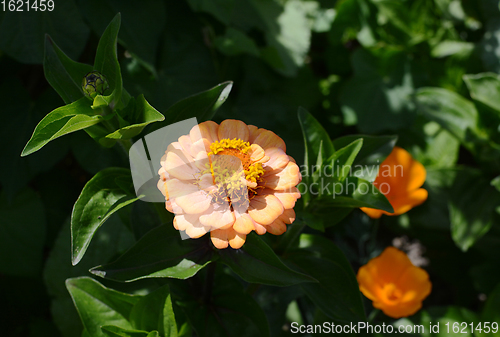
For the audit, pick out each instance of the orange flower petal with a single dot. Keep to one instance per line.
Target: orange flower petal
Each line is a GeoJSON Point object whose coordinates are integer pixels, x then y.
{"type": "Point", "coordinates": [278, 227]}
{"type": "Point", "coordinates": [188, 196]}
{"type": "Point", "coordinates": [402, 310]}
{"type": "Point", "coordinates": [244, 224]}
{"type": "Point", "coordinates": [236, 240]}
{"type": "Point", "coordinates": [256, 153]}
{"type": "Point", "coordinates": [218, 219]}
{"type": "Point", "coordinates": [267, 139]}
{"type": "Point", "coordinates": [180, 165]}
{"type": "Point", "coordinates": [393, 283]}
{"type": "Point", "coordinates": [415, 284]}
{"type": "Point", "coordinates": [253, 133]}
{"type": "Point", "coordinates": [219, 238]}
{"type": "Point", "coordinates": [287, 198]}
{"type": "Point", "coordinates": [259, 229]}
{"type": "Point", "coordinates": [389, 265]}
{"type": "Point", "coordinates": [277, 159]}
{"type": "Point", "coordinates": [231, 129]}
{"type": "Point", "coordinates": [264, 209]}
{"type": "Point", "coordinates": [372, 212]}
{"type": "Point", "coordinates": [404, 203]}
{"type": "Point", "coordinates": [288, 216]}
{"type": "Point", "coordinates": [191, 224]}
{"type": "Point", "coordinates": [283, 179]}
{"type": "Point", "coordinates": [208, 130]}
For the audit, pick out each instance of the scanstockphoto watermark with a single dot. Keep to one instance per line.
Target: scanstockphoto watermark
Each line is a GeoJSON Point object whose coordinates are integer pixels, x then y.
{"type": "Point", "coordinates": [357, 328]}
{"type": "Point", "coordinates": [325, 178]}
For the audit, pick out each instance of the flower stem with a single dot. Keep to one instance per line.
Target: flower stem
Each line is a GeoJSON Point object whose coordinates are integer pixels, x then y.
{"type": "Point", "coordinates": [372, 315]}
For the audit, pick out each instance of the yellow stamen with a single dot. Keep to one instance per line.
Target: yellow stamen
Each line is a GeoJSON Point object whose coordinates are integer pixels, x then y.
{"type": "Point", "coordinates": [227, 158]}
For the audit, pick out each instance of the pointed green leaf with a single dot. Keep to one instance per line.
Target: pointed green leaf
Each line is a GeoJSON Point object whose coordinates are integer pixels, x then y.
{"type": "Point", "coordinates": [374, 151]}
{"type": "Point", "coordinates": [63, 74]}
{"type": "Point", "coordinates": [159, 253]}
{"type": "Point", "coordinates": [356, 192]}
{"type": "Point", "coordinates": [491, 311]}
{"type": "Point", "coordinates": [98, 305]}
{"type": "Point", "coordinates": [114, 331]}
{"type": "Point", "coordinates": [155, 312]}
{"type": "Point", "coordinates": [100, 198]}
{"type": "Point", "coordinates": [256, 262]}
{"type": "Point", "coordinates": [140, 114]}
{"type": "Point", "coordinates": [106, 63]}
{"type": "Point", "coordinates": [317, 144]}
{"type": "Point", "coordinates": [472, 205]}
{"type": "Point", "coordinates": [61, 121]}
{"type": "Point", "coordinates": [340, 162]}
{"type": "Point", "coordinates": [453, 112]}
{"type": "Point", "coordinates": [485, 88]}
{"type": "Point", "coordinates": [225, 312]}
{"type": "Point", "coordinates": [202, 106]}
{"type": "Point", "coordinates": [337, 291]}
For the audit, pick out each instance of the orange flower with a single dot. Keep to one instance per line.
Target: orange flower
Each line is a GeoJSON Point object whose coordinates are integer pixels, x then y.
{"type": "Point", "coordinates": [394, 284]}
{"type": "Point", "coordinates": [399, 179]}
{"type": "Point", "coordinates": [229, 179]}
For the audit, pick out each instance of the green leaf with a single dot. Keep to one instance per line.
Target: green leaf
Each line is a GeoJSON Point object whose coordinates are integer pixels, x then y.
{"type": "Point", "coordinates": [374, 151]}
{"type": "Point", "coordinates": [256, 262]}
{"type": "Point", "coordinates": [496, 183]}
{"type": "Point", "coordinates": [114, 331]}
{"type": "Point", "coordinates": [159, 253]}
{"type": "Point", "coordinates": [447, 48]}
{"type": "Point", "coordinates": [61, 121]}
{"type": "Point", "coordinates": [106, 63]}
{"type": "Point", "coordinates": [100, 198]}
{"type": "Point", "coordinates": [317, 146]}
{"type": "Point", "coordinates": [22, 234]}
{"type": "Point", "coordinates": [341, 161]}
{"type": "Point", "coordinates": [491, 311]}
{"type": "Point", "coordinates": [140, 114]}
{"type": "Point", "coordinates": [356, 192]}
{"type": "Point", "coordinates": [235, 42]}
{"type": "Point", "coordinates": [140, 20]}
{"type": "Point", "coordinates": [22, 32]}
{"type": "Point", "coordinates": [337, 291]}
{"type": "Point", "coordinates": [108, 242]}
{"type": "Point", "coordinates": [98, 305]}
{"type": "Point", "coordinates": [472, 204]}
{"type": "Point", "coordinates": [314, 134]}
{"type": "Point", "coordinates": [443, 317]}
{"type": "Point", "coordinates": [155, 312]}
{"type": "Point", "coordinates": [450, 110]}
{"type": "Point", "coordinates": [485, 88]}
{"type": "Point", "coordinates": [225, 312]}
{"type": "Point", "coordinates": [288, 34]}
{"type": "Point", "coordinates": [378, 96]}
{"type": "Point", "coordinates": [63, 74]}
{"type": "Point", "coordinates": [202, 106]}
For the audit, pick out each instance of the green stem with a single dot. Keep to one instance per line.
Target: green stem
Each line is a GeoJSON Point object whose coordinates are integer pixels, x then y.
{"type": "Point", "coordinates": [372, 315]}
{"type": "Point", "coordinates": [373, 235]}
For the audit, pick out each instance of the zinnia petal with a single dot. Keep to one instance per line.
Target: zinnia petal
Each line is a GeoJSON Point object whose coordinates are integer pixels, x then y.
{"type": "Point", "coordinates": [264, 209]}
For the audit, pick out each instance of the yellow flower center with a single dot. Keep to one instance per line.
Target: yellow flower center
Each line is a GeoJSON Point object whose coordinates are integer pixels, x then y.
{"type": "Point", "coordinates": [233, 171]}
{"type": "Point", "coordinates": [392, 293]}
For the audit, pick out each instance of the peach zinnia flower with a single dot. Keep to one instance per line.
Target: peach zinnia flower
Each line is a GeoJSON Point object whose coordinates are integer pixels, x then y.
{"type": "Point", "coordinates": [399, 179]}
{"type": "Point", "coordinates": [394, 284]}
{"type": "Point", "coordinates": [229, 179]}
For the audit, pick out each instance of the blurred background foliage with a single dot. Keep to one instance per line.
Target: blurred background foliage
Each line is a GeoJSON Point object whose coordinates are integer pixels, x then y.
{"type": "Point", "coordinates": [377, 67]}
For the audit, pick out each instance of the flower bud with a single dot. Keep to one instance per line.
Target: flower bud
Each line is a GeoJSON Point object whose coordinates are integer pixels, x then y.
{"type": "Point", "coordinates": [94, 84]}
